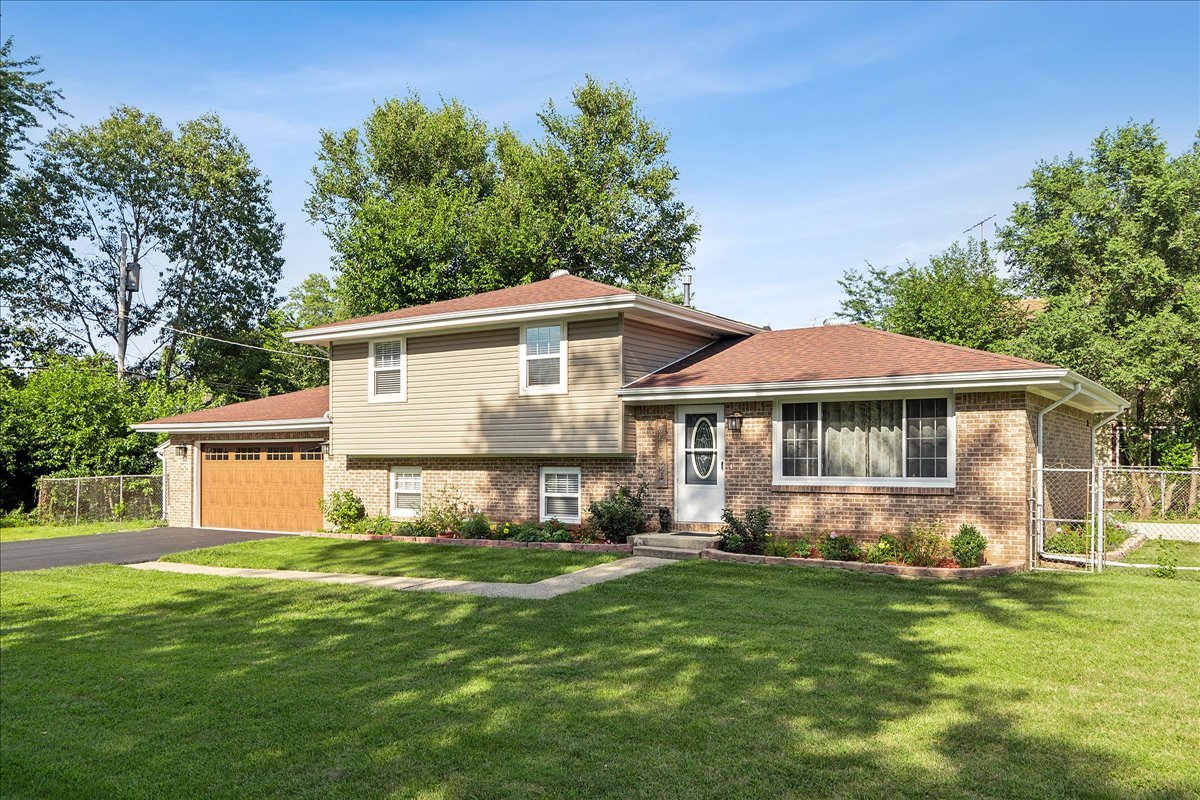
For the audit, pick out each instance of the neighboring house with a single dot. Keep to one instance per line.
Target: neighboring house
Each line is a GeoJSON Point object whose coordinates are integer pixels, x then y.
{"type": "Point", "coordinates": [531, 402]}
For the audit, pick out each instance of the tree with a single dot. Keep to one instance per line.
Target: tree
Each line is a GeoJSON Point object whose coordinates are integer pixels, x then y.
{"type": "Point", "coordinates": [1112, 242]}
{"type": "Point", "coordinates": [311, 303]}
{"type": "Point", "coordinates": [424, 204]}
{"type": "Point", "coordinates": [33, 227]}
{"type": "Point", "coordinates": [959, 298]}
{"type": "Point", "coordinates": [192, 206]}
{"type": "Point", "coordinates": [72, 417]}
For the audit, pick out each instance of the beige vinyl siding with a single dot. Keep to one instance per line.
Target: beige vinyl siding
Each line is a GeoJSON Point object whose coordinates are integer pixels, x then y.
{"type": "Point", "coordinates": [649, 347]}
{"type": "Point", "coordinates": [464, 398]}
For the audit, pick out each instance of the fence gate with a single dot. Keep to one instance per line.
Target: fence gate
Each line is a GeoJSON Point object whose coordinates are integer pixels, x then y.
{"type": "Point", "coordinates": [1066, 527]}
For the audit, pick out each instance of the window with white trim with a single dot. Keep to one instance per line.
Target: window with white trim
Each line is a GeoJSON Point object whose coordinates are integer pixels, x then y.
{"type": "Point", "coordinates": [543, 360]}
{"type": "Point", "coordinates": [405, 491]}
{"type": "Point", "coordinates": [870, 441]}
{"type": "Point", "coordinates": [388, 371]}
{"type": "Point", "coordinates": [559, 497]}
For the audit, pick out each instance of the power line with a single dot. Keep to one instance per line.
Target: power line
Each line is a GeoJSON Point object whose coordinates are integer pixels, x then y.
{"type": "Point", "coordinates": [243, 344]}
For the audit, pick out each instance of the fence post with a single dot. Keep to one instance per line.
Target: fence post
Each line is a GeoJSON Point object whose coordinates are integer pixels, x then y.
{"type": "Point", "coordinates": [121, 494]}
{"type": "Point", "coordinates": [78, 485]}
{"type": "Point", "coordinates": [1162, 494]}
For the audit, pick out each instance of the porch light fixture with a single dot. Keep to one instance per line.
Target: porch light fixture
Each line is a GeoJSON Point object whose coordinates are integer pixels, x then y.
{"type": "Point", "coordinates": [734, 421]}
{"type": "Point", "coordinates": [181, 450]}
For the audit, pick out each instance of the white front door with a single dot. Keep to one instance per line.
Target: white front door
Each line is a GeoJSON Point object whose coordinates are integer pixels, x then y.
{"type": "Point", "coordinates": [699, 463]}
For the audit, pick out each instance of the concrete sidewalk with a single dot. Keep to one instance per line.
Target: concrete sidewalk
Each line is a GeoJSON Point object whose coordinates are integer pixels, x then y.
{"type": "Point", "coordinates": [542, 590]}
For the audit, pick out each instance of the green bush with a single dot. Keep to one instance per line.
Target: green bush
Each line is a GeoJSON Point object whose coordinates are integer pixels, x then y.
{"type": "Point", "coordinates": [839, 547]}
{"type": "Point", "coordinates": [443, 512]}
{"type": "Point", "coordinates": [19, 518]}
{"type": "Point", "coordinates": [925, 544]}
{"type": "Point", "coordinates": [746, 535]}
{"type": "Point", "coordinates": [1115, 533]}
{"type": "Point", "coordinates": [1066, 540]}
{"type": "Point", "coordinates": [620, 515]}
{"type": "Point", "coordinates": [1168, 559]}
{"type": "Point", "coordinates": [476, 526]}
{"type": "Point", "coordinates": [968, 546]}
{"type": "Point", "coordinates": [525, 532]}
{"type": "Point", "coordinates": [779, 547]}
{"type": "Point", "coordinates": [379, 526]}
{"type": "Point", "coordinates": [888, 548]}
{"type": "Point", "coordinates": [343, 509]}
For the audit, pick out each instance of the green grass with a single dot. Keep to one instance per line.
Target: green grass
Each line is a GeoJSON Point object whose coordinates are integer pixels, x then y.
{"type": "Point", "coordinates": [696, 680]}
{"type": "Point", "coordinates": [54, 531]}
{"type": "Point", "coordinates": [504, 565]}
{"type": "Point", "coordinates": [1188, 553]}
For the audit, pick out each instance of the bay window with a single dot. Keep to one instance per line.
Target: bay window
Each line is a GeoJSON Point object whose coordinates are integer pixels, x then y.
{"type": "Point", "coordinates": [889, 442]}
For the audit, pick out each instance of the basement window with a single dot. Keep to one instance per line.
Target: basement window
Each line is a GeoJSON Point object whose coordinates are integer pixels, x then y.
{"type": "Point", "coordinates": [405, 491]}
{"type": "Point", "coordinates": [560, 494]}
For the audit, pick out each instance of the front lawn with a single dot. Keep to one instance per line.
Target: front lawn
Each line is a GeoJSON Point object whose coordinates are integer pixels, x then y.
{"type": "Point", "coordinates": [1188, 553]}
{"type": "Point", "coordinates": [455, 562]}
{"type": "Point", "coordinates": [20, 532]}
{"type": "Point", "coordinates": [695, 680]}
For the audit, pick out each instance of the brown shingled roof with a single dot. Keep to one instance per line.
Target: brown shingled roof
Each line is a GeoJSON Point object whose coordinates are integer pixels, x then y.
{"type": "Point", "coordinates": [827, 353]}
{"type": "Point", "coordinates": [551, 290]}
{"type": "Point", "coordinates": [304, 404]}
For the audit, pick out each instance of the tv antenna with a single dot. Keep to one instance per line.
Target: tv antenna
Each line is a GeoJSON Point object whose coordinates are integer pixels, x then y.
{"type": "Point", "coordinates": [979, 225]}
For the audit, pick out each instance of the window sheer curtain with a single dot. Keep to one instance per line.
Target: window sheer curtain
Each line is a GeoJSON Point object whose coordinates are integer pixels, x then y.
{"type": "Point", "coordinates": [864, 438]}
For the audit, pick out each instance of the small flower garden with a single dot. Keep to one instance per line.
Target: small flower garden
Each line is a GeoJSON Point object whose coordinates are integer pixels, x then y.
{"type": "Point", "coordinates": [923, 545]}
{"type": "Point", "coordinates": [445, 518]}
{"type": "Point", "coordinates": [1073, 539]}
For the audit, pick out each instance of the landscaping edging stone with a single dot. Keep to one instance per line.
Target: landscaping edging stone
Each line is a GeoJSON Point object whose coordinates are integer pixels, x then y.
{"type": "Point", "coordinates": [573, 546]}
{"type": "Point", "coordinates": [899, 570]}
{"type": "Point", "coordinates": [1130, 544]}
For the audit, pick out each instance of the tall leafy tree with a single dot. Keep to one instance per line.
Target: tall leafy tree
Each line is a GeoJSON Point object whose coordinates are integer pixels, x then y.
{"type": "Point", "coordinates": [311, 303]}
{"type": "Point", "coordinates": [425, 204]}
{"type": "Point", "coordinates": [958, 297]}
{"type": "Point", "coordinates": [1112, 241]}
{"type": "Point", "coordinates": [192, 206]}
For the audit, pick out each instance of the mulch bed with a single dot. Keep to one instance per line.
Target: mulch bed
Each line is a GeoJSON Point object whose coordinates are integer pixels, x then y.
{"type": "Point", "coordinates": [603, 547]}
{"type": "Point", "coordinates": [899, 570]}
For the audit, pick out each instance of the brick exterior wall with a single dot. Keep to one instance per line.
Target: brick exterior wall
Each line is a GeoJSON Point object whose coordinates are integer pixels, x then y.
{"type": "Point", "coordinates": [995, 434]}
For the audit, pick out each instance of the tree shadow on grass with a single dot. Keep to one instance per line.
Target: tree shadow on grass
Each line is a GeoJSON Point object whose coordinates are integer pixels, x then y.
{"type": "Point", "coordinates": [696, 680]}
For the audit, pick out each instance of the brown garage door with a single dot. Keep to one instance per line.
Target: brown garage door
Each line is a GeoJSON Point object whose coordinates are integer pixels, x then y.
{"type": "Point", "coordinates": [267, 486]}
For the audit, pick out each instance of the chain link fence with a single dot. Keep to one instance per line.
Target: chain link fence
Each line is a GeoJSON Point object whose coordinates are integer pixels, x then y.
{"type": "Point", "coordinates": [101, 498]}
{"type": "Point", "coordinates": [1154, 502]}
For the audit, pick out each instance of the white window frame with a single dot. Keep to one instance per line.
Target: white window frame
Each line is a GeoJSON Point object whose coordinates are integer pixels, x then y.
{"type": "Point", "coordinates": [555, 388]}
{"type": "Point", "coordinates": [779, 479]}
{"type": "Point", "coordinates": [389, 397]}
{"type": "Point", "coordinates": [542, 516]}
{"type": "Point", "coordinates": [404, 513]}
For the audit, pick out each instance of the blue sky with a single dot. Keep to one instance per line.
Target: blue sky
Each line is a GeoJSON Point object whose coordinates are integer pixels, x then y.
{"type": "Point", "coordinates": [810, 138]}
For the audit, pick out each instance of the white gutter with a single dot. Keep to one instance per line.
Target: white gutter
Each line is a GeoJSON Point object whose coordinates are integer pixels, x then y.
{"type": "Point", "coordinates": [161, 452]}
{"type": "Point", "coordinates": [1041, 478]}
{"type": "Point", "coordinates": [518, 314]}
{"type": "Point", "coordinates": [256, 426]}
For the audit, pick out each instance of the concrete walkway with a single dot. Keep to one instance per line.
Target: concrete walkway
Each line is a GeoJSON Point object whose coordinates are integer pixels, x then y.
{"type": "Point", "coordinates": [542, 590]}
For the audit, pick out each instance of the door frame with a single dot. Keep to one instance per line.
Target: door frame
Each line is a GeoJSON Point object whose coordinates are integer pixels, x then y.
{"type": "Point", "coordinates": [681, 413]}
{"type": "Point", "coordinates": [197, 464]}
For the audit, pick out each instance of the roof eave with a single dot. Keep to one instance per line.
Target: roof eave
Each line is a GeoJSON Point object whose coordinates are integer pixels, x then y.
{"type": "Point", "coordinates": [243, 426]}
{"type": "Point", "coordinates": [520, 314]}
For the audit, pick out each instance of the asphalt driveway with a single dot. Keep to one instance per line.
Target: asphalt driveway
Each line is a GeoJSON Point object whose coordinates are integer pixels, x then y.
{"type": "Point", "coordinates": [127, 547]}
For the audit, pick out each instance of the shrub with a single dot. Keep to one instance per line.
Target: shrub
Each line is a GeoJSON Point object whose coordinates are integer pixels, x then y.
{"type": "Point", "coordinates": [1066, 540]}
{"type": "Point", "coordinates": [746, 535]}
{"type": "Point", "coordinates": [776, 546]}
{"type": "Point", "coordinates": [380, 526]}
{"type": "Point", "coordinates": [343, 509]}
{"type": "Point", "coordinates": [839, 547]}
{"type": "Point", "coordinates": [888, 548]}
{"type": "Point", "coordinates": [476, 526]}
{"type": "Point", "coordinates": [19, 518]}
{"type": "Point", "coordinates": [925, 544]}
{"type": "Point", "coordinates": [525, 532]}
{"type": "Point", "coordinates": [968, 545]}
{"type": "Point", "coordinates": [118, 510]}
{"type": "Point", "coordinates": [1168, 559]}
{"type": "Point", "coordinates": [443, 512]}
{"type": "Point", "coordinates": [1115, 534]}
{"type": "Point", "coordinates": [620, 515]}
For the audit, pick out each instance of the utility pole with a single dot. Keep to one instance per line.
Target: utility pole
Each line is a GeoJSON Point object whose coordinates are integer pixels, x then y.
{"type": "Point", "coordinates": [123, 300]}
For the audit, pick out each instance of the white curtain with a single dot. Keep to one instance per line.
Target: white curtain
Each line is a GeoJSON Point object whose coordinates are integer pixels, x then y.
{"type": "Point", "coordinates": [864, 438]}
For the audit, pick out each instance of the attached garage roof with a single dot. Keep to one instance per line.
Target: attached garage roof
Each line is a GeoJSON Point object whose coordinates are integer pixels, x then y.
{"type": "Point", "coordinates": [827, 353]}
{"type": "Point", "coordinates": [306, 406]}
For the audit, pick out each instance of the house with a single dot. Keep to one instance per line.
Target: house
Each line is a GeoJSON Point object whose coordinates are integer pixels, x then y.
{"type": "Point", "coordinates": [530, 402]}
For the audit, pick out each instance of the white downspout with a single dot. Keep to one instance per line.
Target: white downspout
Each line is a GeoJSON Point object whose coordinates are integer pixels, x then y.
{"type": "Point", "coordinates": [1039, 488]}
{"type": "Point", "coordinates": [161, 452]}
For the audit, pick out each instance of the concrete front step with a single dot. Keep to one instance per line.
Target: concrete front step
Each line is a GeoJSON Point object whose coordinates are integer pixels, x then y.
{"type": "Point", "coordinates": [673, 553]}
{"type": "Point", "coordinates": [676, 541]}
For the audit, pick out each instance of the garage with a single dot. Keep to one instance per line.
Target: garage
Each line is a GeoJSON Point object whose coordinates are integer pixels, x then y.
{"type": "Point", "coordinates": [261, 486]}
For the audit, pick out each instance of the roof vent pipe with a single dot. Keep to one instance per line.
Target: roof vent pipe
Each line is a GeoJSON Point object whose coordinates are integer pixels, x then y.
{"type": "Point", "coordinates": [687, 290]}
{"type": "Point", "coordinates": [560, 273]}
